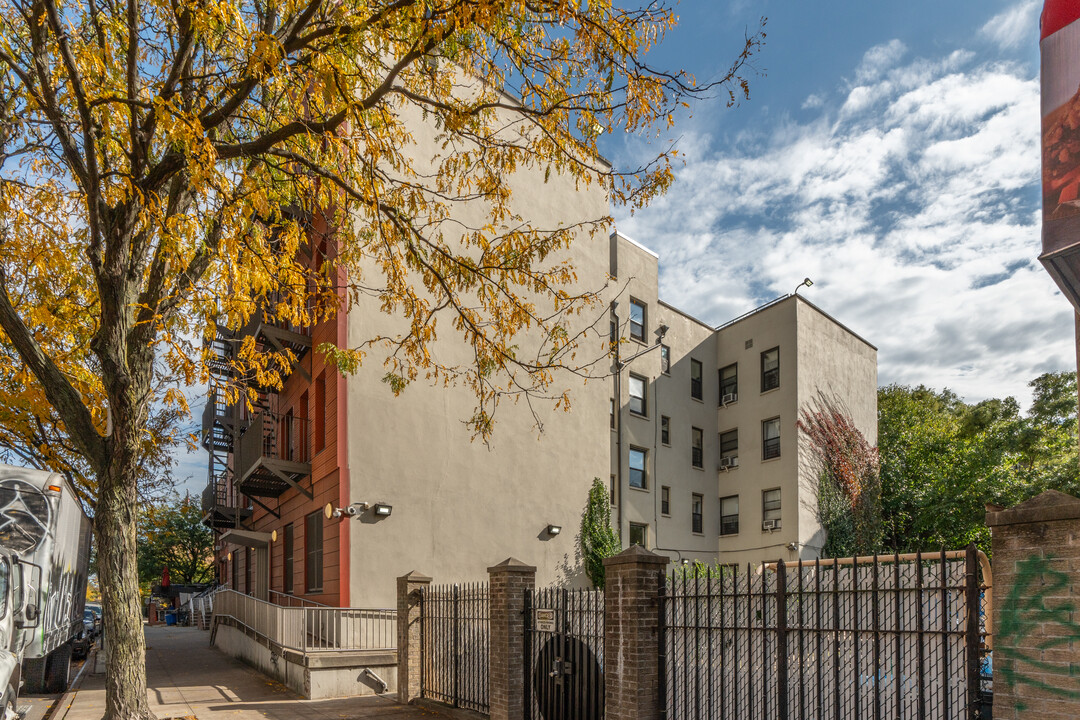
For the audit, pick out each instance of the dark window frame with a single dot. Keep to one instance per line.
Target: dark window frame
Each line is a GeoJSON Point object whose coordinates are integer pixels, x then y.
{"type": "Point", "coordinates": [665, 359]}
{"type": "Point", "coordinates": [697, 509]}
{"type": "Point", "coordinates": [644, 528]}
{"type": "Point", "coordinates": [729, 385]}
{"type": "Point", "coordinates": [644, 411]}
{"type": "Point", "coordinates": [770, 377]}
{"type": "Point", "coordinates": [729, 524]}
{"type": "Point", "coordinates": [665, 500]}
{"type": "Point", "coordinates": [770, 446]}
{"type": "Point", "coordinates": [696, 384]}
{"type": "Point", "coordinates": [644, 467]}
{"type": "Point", "coordinates": [729, 443]}
{"type": "Point", "coordinates": [288, 555]}
{"type": "Point", "coordinates": [697, 447]}
{"type": "Point", "coordinates": [313, 552]}
{"type": "Point", "coordinates": [642, 327]}
{"type": "Point", "coordinates": [765, 505]}
{"type": "Point", "coordinates": [320, 412]}
{"type": "Point", "coordinates": [665, 430]}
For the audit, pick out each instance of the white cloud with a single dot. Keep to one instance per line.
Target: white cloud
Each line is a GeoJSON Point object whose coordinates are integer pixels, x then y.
{"type": "Point", "coordinates": [1017, 25]}
{"type": "Point", "coordinates": [914, 208]}
{"type": "Point", "coordinates": [812, 102]}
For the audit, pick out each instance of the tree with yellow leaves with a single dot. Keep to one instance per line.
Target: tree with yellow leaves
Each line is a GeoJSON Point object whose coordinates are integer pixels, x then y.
{"type": "Point", "coordinates": [163, 161]}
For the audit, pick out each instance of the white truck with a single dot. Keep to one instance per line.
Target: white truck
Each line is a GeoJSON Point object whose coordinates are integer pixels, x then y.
{"type": "Point", "coordinates": [44, 560]}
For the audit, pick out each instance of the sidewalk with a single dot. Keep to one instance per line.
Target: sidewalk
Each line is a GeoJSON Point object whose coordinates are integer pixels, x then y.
{"type": "Point", "coordinates": [187, 678]}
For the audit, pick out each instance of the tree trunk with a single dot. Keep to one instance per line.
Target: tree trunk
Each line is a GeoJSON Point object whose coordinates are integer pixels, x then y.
{"type": "Point", "coordinates": [115, 522]}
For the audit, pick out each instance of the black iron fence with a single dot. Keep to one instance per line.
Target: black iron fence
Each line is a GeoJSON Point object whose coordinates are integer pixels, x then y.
{"type": "Point", "coordinates": [455, 638]}
{"type": "Point", "coordinates": [892, 637]}
{"type": "Point", "coordinates": [564, 654]}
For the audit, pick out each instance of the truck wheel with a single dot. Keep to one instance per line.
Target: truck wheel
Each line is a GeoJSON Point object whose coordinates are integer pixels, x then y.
{"type": "Point", "coordinates": [57, 667]}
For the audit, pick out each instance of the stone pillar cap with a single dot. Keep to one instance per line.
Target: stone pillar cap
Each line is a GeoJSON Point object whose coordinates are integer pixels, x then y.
{"type": "Point", "coordinates": [1044, 507]}
{"type": "Point", "coordinates": [512, 565]}
{"type": "Point", "coordinates": [416, 577]}
{"type": "Point", "coordinates": [635, 554]}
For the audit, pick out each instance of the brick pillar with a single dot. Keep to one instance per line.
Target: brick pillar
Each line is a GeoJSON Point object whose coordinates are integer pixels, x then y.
{"type": "Point", "coordinates": [506, 665]}
{"type": "Point", "coordinates": [1036, 593]}
{"type": "Point", "coordinates": [408, 634]}
{"type": "Point", "coordinates": [631, 641]}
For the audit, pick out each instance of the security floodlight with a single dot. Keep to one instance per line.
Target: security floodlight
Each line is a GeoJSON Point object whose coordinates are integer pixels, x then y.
{"type": "Point", "coordinates": [661, 332]}
{"type": "Point", "coordinates": [382, 509]}
{"type": "Point", "coordinates": [554, 530]}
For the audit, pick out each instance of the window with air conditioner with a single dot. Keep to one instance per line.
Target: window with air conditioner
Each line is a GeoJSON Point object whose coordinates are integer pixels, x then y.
{"type": "Point", "coordinates": [729, 449]}
{"type": "Point", "coordinates": [637, 320]}
{"type": "Point", "coordinates": [729, 384]}
{"type": "Point", "coordinates": [770, 509]}
{"type": "Point", "coordinates": [770, 369]}
{"type": "Point", "coordinates": [770, 439]}
{"type": "Point", "coordinates": [729, 515]}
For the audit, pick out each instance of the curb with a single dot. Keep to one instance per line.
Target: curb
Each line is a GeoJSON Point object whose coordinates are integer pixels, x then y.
{"type": "Point", "coordinates": [67, 699]}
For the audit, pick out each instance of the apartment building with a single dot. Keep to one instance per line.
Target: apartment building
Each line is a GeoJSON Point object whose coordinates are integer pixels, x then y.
{"type": "Point", "coordinates": [706, 457]}
{"type": "Point", "coordinates": [693, 426]}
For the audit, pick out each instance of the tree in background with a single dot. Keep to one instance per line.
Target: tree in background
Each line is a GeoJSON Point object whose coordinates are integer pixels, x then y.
{"type": "Point", "coordinates": [172, 534]}
{"type": "Point", "coordinates": [943, 459]}
{"type": "Point", "coordinates": [166, 164]}
{"type": "Point", "coordinates": [849, 483]}
{"type": "Point", "coordinates": [597, 539]}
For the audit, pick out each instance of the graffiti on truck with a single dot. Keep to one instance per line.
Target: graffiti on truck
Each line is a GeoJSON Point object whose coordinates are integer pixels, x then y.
{"type": "Point", "coordinates": [1038, 606]}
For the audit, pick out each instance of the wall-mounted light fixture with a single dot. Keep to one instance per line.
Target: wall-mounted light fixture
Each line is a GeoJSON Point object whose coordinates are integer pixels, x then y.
{"type": "Point", "coordinates": [273, 536]}
{"type": "Point", "coordinates": [554, 530]}
{"type": "Point", "coordinates": [793, 546]}
{"type": "Point", "coordinates": [382, 509]}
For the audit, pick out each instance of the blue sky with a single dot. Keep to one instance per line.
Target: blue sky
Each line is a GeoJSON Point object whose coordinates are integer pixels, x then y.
{"type": "Point", "coordinates": [889, 151]}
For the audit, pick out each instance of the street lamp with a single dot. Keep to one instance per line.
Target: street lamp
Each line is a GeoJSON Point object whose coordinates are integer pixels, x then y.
{"type": "Point", "coordinates": [807, 282]}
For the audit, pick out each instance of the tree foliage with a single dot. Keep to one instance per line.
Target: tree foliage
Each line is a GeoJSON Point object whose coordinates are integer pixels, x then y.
{"type": "Point", "coordinates": [943, 460]}
{"type": "Point", "coordinates": [168, 166]}
{"type": "Point", "coordinates": [849, 481]}
{"type": "Point", "coordinates": [172, 534]}
{"type": "Point", "coordinates": [598, 540]}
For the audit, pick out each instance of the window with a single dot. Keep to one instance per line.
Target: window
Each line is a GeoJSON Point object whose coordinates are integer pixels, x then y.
{"type": "Point", "coordinates": [665, 430]}
{"type": "Point", "coordinates": [637, 320]}
{"type": "Point", "coordinates": [639, 534]}
{"type": "Point", "coordinates": [320, 412]}
{"type": "Point", "coordinates": [235, 563]}
{"type": "Point", "coordinates": [770, 439]}
{"type": "Point", "coordinates": [612, 413]}
{"type": "Point", "coordinates": [729, 383]}
{"type": "Point", "coordinates": [729, 515]}
{"type": "Point", "coordinates": [313, 550]}
{"type": "Point", "coordinates": [613, 332]}
{"type": "Point", "coordinates": [287, 571]}
{"type": "Point", "coordinates": [637, 395]}
{"type": "Point", "coordinates": [665, 359]}
{"type": "Point", "coordinates": [695, 513]}
{"type": "Point", "coordinates": [770, 369]}
{"type": "Point", "coordinates": [611, 487]}
{"type": "Point", "coordinates": [770, 505]}
{"type": "Point", "coordinates": [638, 476]}
{"type": "Point", "coordinates": [665, 500]}
{"type": "Point", "coordinates": [247, 570]}
{"type": "Point", "coordinates": [695, 379]}
{"type": "Point", "coordinates": [696, 447]}
{"type": "Point", "coordinates": [729, 444]}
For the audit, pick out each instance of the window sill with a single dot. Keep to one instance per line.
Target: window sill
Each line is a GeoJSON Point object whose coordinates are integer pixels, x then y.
{"type": "Point", "coordinates": [665, 444]}
{"type": "Point", "coordinates": [631, 413]}
{"type": "Point", "coordinates": [639, 340]}
{"type": "Point", "coordinates": [771, 390]}
{"type": "Point", "coordinates": [664, 514]}
{"type": "Point", "coordinates": [639, 489]}
{"type": "Point", "coordinates": [698, 534]}
{"type": "Point", "coordinates": [697, 400]}
{"type": "Point", "coordinates": [772, 459]}
{"type": "Point", "coordinates": [734, 402]}
{"type": "Point", "coordinates": [729, 535]}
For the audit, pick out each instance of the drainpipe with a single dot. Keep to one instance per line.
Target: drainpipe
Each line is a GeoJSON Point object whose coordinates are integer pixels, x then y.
{"type": "Point", "coordinates": [618, 428]}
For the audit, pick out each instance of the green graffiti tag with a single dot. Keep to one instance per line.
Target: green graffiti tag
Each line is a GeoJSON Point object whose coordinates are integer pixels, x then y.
{"type": "Point", "coordinates": [1035, 600]}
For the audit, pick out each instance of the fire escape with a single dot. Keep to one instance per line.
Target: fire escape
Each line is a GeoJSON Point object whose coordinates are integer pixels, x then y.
{"type": "Point", "coordinates": [255, 453]}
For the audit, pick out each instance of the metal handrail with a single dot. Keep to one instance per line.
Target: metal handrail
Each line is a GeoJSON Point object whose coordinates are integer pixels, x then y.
{"type": "Point", "coordinates": [293, 600]}
{"type": "Point", "coordinates": [311, 629]}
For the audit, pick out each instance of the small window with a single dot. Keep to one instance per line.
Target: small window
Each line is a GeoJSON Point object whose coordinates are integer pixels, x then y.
{"type": "Point", "coordinates": [695, 513]}
{"type": "Point", "coordinates": [729, 515]}
{"type": "Point", "coordinates": [665, 500]}
{"type": "Point", "coordinates": [665, 430]}
{"type": "Point", "coordinates": [770, 369]}
{"type": "Point", "coordinates": [612, 413]}
{"type": "Point", "coordinates": [729, 444]}
{"type": "Point", "coordinates": [320, 412]}
{"type": "Point", "coordinates": [638, 477]}
{"type": "Point", "coordinates": [247, 572]}
{"type": "Point", "coordinates": [612, 490]}
{"type": "Point", "coordinates": [637, 320]}
{"type": "Point", "coordinates": [287, 565]}
{"type": "Point", "coordinates": [613, 332]}
{"type": "Point", "coordinates": [637, 395]}
{"type": "Point", "coordinates": [729, 383]}
{"type": "Point", "coordinates": [770, 439]}
{"type": "Point", "coordinates": [665, 359]}
{"type": "Point", "coordinates": [639, 534]}
{"type": "Point", "coordinates": [697, 441]}
{"type": "Point", "coordinates": [770, 505]}
{"type": "Point", "coordinates": [313, 549]}
{"type": "Point", "coordinates": [695, 379]}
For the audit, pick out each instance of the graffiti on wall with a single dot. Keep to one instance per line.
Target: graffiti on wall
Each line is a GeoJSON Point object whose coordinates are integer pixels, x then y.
{"type": "Point", "coordinates": [24, 516]}
{"type": "Point", "coordinates": [1038, 606]}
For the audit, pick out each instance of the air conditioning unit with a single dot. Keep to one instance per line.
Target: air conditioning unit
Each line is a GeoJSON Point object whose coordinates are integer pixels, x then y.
{"type": "Point", "coordinates": [729, 462]}
{"type": "Point", "coordinates": [729, 398]}
{"type": "Point", "coordinates": [769, 525]}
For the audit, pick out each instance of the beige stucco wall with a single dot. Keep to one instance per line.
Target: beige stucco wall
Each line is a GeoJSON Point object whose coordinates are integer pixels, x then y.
{"type": "Point", "coordinates": [460, 506]}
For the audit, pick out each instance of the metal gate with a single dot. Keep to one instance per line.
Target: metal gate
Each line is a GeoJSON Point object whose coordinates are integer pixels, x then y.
{"type": "Point", "coordinates": [881, 638]}
{"type": "Point", "coordinates": [564, 654]}
{"type": "Point", "coordinates": [454, 640]}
